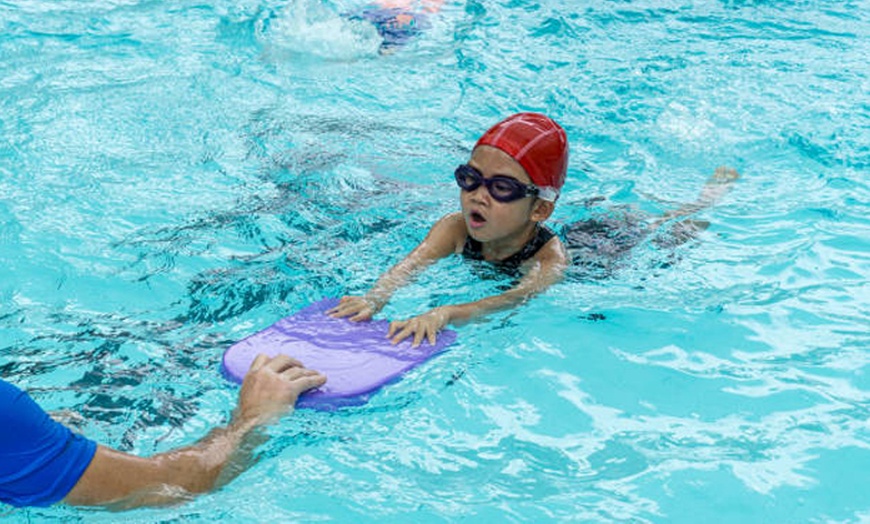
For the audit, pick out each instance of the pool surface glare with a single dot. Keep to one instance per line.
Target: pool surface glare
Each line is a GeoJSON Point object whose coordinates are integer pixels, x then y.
{"type": "Point", "coordinates": [175, 177]}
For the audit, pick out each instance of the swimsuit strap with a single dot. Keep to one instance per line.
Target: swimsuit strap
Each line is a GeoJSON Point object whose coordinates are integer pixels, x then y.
{"type": "Point", "coordinates": [474, 250]}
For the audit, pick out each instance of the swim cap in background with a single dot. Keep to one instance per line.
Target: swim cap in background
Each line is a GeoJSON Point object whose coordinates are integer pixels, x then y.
{"type": "Point", "coordinates": [539, 145]}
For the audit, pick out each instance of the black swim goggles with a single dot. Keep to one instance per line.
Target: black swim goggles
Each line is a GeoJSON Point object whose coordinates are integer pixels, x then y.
{"type": "Point", "coordinates": [500, 187]}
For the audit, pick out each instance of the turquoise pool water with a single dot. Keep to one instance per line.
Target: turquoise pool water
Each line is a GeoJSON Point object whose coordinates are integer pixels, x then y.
{"type": "Point", "coordinates": [175, 176]}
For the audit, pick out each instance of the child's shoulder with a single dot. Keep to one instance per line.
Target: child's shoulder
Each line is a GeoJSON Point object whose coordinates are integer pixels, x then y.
{"type": "Point", "coordinates": [456, 223]}
{"type": "Point", "coordinates": [551, 246]}
{"type": "Point", "coordinates": [453, 222]}
{"type": "Point", "coordinates": [453, 219]}
{"type": "Point", "coordinates": [450, 231]}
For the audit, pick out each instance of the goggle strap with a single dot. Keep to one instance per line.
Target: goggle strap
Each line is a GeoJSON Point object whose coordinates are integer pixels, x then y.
{"type": "Point", "coordinates": [548, 193]}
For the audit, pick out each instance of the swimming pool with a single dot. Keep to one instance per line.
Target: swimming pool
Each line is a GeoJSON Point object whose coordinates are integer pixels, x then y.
{"type": "Point", "coordinates": [175, 177]}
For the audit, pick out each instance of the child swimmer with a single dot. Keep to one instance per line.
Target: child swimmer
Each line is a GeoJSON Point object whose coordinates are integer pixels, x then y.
{"type": "Point", "coordinates": [509, 188]}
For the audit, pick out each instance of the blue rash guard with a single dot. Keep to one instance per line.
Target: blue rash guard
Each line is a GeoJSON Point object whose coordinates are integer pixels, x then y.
{"type": "Point", "coordinates": [40, 459]}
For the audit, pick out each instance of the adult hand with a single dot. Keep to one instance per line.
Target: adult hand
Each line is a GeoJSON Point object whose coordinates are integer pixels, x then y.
{"type": "Point", "coordinates": [271, 387]}
{"type": "Point", "coordinates": [422, 326]}
{"type": "Point", "coordinates": [120, 481]}
{"type": "Point", "coordinates": [356, 308]}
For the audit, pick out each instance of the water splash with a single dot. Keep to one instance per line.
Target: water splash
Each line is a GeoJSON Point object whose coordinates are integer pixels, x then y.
{"type": "Point", "coordinates": [308, 28]}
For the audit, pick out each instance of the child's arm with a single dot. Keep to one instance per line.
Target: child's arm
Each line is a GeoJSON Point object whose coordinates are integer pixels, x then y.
{"type": "Point", "coordinates": [443, 239]}
{"type": "Point", "coordinates": [544, 269]}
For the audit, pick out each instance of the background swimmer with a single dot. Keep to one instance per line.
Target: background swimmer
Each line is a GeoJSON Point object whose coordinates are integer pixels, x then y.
{"type": "Point", "coordinates": [397, 21]}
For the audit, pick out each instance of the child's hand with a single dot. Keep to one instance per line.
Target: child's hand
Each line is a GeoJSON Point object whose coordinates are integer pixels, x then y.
{"type": "Point", "coordinates": [357, 308]}
{"type": "Point", "coordinates": [426, 325]}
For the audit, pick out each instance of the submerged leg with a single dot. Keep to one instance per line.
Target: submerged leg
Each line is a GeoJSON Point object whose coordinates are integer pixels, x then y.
{"type": "Point", "coordinates": [717, 186]}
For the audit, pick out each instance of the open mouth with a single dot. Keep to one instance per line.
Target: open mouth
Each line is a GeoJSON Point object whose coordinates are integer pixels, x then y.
{"type": "Point", "coordinates": [476, 219]}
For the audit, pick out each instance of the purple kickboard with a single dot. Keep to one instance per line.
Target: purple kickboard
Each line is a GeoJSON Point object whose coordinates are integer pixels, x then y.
{"type": "Point", "coordinates": [356, 357]}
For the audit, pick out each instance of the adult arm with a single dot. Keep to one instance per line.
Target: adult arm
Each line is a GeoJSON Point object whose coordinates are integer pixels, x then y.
{"type": "Point", "coordinates": [123, 481]}
{"type": "Point", "coordinates": [443, 239]}
{"type": "Point", "coordinates": [543, 270]}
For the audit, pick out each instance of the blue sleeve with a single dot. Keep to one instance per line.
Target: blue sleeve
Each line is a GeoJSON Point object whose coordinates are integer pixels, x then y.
{"type": "Point", "coordinates": [40, 459]}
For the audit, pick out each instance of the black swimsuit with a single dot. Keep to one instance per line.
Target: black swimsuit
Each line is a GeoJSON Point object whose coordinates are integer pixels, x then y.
{"type": "Point", "coordinates": [474, 250]}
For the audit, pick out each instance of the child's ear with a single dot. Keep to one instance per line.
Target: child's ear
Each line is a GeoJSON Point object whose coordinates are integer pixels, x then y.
{"type": "Point", "coordinates": [541, 210]}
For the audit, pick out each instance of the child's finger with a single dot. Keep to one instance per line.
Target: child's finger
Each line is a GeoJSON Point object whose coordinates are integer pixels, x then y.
{"type": "Point", "coordinates": [344, 310]}
{"type": "Point", "coordinates": [402, 334]}
{"type": "Point", "coordinates": [432, 335]}
{"type": "Point", "coordinates": [347, 305]}
{"type": "Point", "coordinates": [342, 302]}
{"type": "Point", "coordinates": [360, 315]}
{"type": "Point", "coordinates": [395, 326]}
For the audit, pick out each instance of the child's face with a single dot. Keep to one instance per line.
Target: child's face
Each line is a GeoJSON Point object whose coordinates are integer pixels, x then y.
{"type": "Point", "coordinates": [489, 220]}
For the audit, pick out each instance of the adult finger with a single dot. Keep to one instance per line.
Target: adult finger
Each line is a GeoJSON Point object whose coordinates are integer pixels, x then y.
{"type": "Point", "coordinates": [295, 372]}
{"type": "Point", "coordinates": [283, 362]}
{"type": "Point", "coordinates": [306, 382]}
{"type": "Point", "coordinates": [259, 361]}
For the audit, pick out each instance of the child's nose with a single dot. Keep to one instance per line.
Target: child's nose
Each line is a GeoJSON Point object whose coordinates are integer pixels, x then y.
{"type": "Point", "coordinates": [480, 194]}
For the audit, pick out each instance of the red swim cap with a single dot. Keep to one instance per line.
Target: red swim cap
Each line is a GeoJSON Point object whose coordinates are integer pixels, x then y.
{"type": "Point", "coordinates": [539, 145]}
